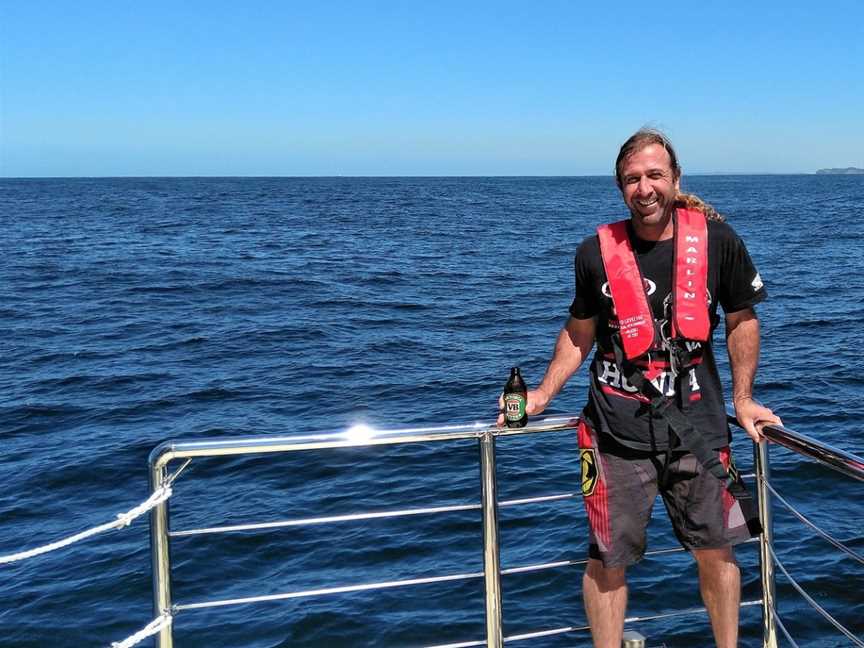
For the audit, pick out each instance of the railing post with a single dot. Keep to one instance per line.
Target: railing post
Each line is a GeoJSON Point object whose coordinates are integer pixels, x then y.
{"type": "Point", "coordinates": [491, 551]}
{"type": "Point", "coordinates": [160, 556]}
{"type": "Point", "coordinates": [766, 540]}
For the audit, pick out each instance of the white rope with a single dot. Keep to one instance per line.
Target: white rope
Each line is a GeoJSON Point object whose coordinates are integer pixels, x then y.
{"type": "Point", "coordinates": [156, 625]}
{"type": "Point", "coordinates": [123, 519]}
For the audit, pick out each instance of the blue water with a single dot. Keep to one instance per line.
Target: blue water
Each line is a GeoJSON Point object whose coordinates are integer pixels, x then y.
{"type": "Point", "coordinates": [138, 310]}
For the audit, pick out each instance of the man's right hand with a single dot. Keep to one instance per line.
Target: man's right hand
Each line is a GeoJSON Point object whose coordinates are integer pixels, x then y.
{"type": "Point", "coordinates": [536, 402]}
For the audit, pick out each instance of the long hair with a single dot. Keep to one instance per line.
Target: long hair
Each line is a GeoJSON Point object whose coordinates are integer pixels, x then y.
{"type": "Point", "coordinates": [692, 201]}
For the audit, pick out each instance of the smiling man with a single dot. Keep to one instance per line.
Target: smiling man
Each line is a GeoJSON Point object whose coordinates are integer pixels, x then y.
{"type": "Point", "coordinates": [647, 293]}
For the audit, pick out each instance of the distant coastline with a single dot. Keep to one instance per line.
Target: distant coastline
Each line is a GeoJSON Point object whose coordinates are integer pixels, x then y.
{"type": "Point", "coordinates": [846, 171]}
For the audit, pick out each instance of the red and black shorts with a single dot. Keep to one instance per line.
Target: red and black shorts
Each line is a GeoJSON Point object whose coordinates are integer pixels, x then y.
{"type": "Point", "coordinates": [619, 491]}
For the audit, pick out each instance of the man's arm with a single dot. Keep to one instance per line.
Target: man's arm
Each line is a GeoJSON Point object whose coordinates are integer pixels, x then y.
{"type": "Point", "coordinates": [572, 347]}
{"type": "Point", "coordinates": [742, 342]}
{"type": "Point", "coordinates": [574, 343]}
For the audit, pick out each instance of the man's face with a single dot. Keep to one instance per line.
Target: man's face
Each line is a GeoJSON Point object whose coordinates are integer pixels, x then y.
{"type": "Point", "coordinates": [649, 185]}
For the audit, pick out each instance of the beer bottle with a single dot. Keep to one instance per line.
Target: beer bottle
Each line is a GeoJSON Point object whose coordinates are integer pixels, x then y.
{"type": "Point", "coordinates": [515, 400]}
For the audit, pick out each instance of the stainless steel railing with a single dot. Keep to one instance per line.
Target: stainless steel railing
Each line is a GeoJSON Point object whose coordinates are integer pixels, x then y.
{"type": "Point", "coordinates": [485, 435]}
{"type": "Point", "coordinates": [838, 460]}
{"type": "Point", "coordinates": [356, 436]}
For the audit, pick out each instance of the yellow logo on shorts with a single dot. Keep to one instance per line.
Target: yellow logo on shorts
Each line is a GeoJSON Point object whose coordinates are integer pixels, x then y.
{"type": "Point", "coordinates": [588, 461]}
{"type": "Point", "coordinates": [733, 470]}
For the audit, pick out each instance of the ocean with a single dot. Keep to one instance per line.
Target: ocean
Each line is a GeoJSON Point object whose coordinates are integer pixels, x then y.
{"type": "Point", "coordinates": [136, 310]}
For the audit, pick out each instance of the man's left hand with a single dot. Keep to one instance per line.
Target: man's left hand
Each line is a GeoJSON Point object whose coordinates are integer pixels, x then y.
{"type": "Point", "coordinates": [750, 414]}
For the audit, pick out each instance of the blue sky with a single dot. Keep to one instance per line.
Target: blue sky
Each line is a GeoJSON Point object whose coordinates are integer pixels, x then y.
{"type": "Point", "coordinates": [441, 88]}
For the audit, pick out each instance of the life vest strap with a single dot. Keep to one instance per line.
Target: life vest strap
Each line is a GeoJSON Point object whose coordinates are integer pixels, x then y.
{"type": "Point", "coordinates": [690, 279]}
{"type": "Point", "coordinates": [690, 438]}
{"type": "Point", "coordinates": [635, 318]}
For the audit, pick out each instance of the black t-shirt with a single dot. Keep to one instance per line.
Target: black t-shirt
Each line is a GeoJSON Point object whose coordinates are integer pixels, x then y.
{"type": "Point", "coordinates": [615, 408]}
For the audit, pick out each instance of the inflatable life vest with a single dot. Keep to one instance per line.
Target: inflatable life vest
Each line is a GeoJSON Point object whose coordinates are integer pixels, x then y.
{"type": "Point", "coordinates": [690, 317]}
{"type": "Point", "coordinates": [691, 322]}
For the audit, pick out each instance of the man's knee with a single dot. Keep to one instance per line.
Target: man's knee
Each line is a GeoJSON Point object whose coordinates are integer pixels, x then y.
{"type": "Point", "coordinates": [605, 578]}
{"type": "Point", "coordinates": [714, 556]}
{"type": "Point", "coordinates": [708, 558]}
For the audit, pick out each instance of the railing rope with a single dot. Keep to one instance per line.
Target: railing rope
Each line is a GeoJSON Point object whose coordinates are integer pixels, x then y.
{"type": "Point", "coordinates": [827, 536]}
{"type": "Point", "coordinates": [825, 614]}
{"type": "Point", "coordinates": [156, 625]}
{"type": "Point", "coordinates": [123, 519]}
{"type": "Point", "coordinates": [785, 632]}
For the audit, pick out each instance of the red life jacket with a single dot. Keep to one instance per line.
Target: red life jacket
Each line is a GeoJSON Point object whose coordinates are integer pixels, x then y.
{"type": "Point", "coordinates": [690, 318]}
{"type": "Point", "coordinates": [690, 322]}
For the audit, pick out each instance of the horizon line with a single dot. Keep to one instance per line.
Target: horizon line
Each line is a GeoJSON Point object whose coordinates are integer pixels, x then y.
{"type": "Point", "coordinates": [372, 176]}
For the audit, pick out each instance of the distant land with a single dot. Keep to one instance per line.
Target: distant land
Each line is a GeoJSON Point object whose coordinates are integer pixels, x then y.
{"type": "Point", "coordinates": [846, 171]}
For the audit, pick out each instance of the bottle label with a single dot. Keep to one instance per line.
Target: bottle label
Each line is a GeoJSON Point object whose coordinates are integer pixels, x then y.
{"type": "Point", "coordinates": [514, 406]}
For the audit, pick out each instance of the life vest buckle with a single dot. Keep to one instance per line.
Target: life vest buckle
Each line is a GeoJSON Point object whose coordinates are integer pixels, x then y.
{"type": "Point", "coordinates": [679, 357]}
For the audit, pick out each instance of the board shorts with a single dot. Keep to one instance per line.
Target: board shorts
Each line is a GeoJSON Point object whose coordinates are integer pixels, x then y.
{"type": "Point", "coordinates": [619, 489]}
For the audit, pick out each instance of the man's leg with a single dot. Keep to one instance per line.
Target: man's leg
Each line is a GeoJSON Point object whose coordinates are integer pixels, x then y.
{"type": "Point", "coordinates": [604, 590]}
{"type": "Point", "coordinates": [618, 490]}
{"type": "Point", "coordinates": [720, 584]}
{"type": "Point", "coordinates": [704, 515]}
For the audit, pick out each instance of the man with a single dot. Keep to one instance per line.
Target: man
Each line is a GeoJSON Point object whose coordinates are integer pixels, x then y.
{"type": "Point", "coordinates": [655, 418]}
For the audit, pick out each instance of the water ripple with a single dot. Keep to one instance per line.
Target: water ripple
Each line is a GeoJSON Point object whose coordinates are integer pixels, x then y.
{"type": "Point", "coordinates": [137, 310]}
